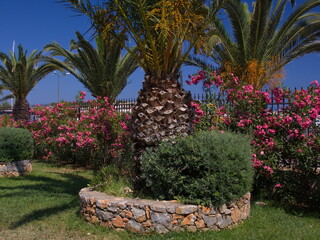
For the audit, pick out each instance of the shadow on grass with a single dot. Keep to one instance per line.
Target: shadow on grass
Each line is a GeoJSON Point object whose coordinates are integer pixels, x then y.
{"type": "Point", "coordinates": [70, 185]}
{"type": "Point", "coordinates": [294, 210]}
{"type": "Point", "coordinates": [40, 214]}
{"type": "Point", "coordinates": [43, 187]}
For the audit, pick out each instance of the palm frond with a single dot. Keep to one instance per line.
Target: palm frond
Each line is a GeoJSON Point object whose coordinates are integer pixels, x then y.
{"type": "Point", "coordinates": [239, 16]}
{"type": "Point", "coordinates": [258, 26]}
{"type": "Point", "coordinates": [101, 70]}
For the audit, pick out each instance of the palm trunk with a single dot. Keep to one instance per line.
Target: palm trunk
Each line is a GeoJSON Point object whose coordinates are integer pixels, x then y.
{"type": "Point", "coordinates": [163, 111]}
{"type": "Point", "coordinates": [21, 110]}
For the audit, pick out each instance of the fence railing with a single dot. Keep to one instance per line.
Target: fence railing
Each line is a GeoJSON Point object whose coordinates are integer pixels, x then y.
{"type": "Point", "coordinates": [126, 105]}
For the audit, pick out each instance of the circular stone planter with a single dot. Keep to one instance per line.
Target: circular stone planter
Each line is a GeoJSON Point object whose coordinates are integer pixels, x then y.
{"type": "Point", "coordinates": [15, 169]}
{"type": "Point", "coordinates": [139, 215]}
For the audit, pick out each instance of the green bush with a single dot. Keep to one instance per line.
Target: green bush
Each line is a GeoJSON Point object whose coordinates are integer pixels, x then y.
{"type": "Point", "coordinates": [209, 168]}
{"type": "Point", "coordinates": [15, 144]}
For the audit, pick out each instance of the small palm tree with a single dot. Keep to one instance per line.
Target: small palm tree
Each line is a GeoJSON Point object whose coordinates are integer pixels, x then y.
{"type": "Point", "coordinates": [19, 74]}
{"type": "Point", "coordinates": [102, 70]}
{"type": "Point", "coordinates": [261, 42]}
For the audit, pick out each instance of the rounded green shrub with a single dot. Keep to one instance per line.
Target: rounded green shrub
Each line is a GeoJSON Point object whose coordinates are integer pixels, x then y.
{"type": "Point", "coordinates": [15, 144]}
{"type": "Point", "coordinates": [208, 168]}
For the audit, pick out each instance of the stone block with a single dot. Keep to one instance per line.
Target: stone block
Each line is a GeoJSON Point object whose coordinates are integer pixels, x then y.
{"type": "Point", "coordinates": [104, 215]}
{"type": "Point", "coordinates": [118, 222]}
{"type": "Point", "coordinates": [139, 214]}
{"type": "Point", "coordinates": [147, 224]}
{"type": "Point", "coordinates": [112, 209]}
{"type": "Point", "coordinates": [186, 209]}
{"type": "Point", "coordinates": [210, 220]}
{"type": "Point", "coordinates": [200, 223]}
{"type": "Point", "coordinates": [235, 214]}
{"type": "Point", "coordinates": [224, 222]}
{"type": "Point", "coordinates": [158, 208]}
{"type": "Point", "coordinates": [177, 216]}
{"type": "Point", "coordinates": [160, 229]}
{"type": "Point", "coordinates": [171, 209]}
{"type": "Point", "coordinates": [191, 229]}
{"type": "Point", "coordinates": [222, 208]}
{"type": "Point", "coordinates": [128, 214]}
{"type": "Point", "coordinates": [188, 220]}
{"type": "Point", "coordinates": [178, 229]}
{"type": "Point", "coordinates": [227, 211]}
{"type": "Point", "coordinates": [134, 226]}
{"type": "Point", "coordinates": [161, 218]}
{"type": "Point", "coordinates": [103, 203]}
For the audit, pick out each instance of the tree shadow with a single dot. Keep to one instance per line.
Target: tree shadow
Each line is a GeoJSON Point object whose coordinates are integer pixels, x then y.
{"type": "Point", "coordinates": [41, 214]}
{"type": "Point", "coordinates": [69, 184]}
{"type": "Point", "coordinates": [299, 211]}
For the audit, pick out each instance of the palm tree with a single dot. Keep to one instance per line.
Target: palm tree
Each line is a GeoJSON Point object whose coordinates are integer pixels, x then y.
{"type": "Point", "coordinates": [262, 42]}
{"type": "Point", "coordinates": [102, 70]}
{"type": "Point", "coordinates": [164, 32]}
{"type": "Point", "coordinates": [19, 74]}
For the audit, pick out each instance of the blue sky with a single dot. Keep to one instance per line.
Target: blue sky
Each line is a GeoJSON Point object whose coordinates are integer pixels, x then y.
{"type": "Point", "coordinates": [35, 23]}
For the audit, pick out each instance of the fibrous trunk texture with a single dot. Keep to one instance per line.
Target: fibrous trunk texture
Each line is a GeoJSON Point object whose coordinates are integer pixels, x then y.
{"type": "Point", "coordinates": [21, 110]}
{"type": "Point", "coordinates": [163, 111]}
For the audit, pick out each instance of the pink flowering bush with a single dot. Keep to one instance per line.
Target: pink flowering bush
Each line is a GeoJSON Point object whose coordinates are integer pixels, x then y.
{"type": "Point", "coordinates": [7, 121]}
{"type": "Point", "coordinates": [285, 140]}
{"type": "Point", "coordinates": [93, 137]}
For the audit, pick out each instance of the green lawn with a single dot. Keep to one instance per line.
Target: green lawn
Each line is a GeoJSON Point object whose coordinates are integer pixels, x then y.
{"type": "Point", "coordinates": [45, 205]}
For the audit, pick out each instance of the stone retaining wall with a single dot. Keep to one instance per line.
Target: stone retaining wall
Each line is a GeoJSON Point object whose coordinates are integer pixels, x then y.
{"type": "Point", "coordinates": [139, 215]}
{"type": "Point", "coordinates": [15, 169]}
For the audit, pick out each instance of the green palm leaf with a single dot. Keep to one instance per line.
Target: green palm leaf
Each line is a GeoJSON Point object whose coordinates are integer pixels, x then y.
{"type": "Point", "coordinates": [262, 38]}
{"type": "Point", "coordinates": [102, 70]}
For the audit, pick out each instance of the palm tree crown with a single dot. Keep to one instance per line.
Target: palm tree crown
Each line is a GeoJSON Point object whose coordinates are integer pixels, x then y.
{"type": "Point", "coordinates": [101, 70]}
{"type": "Point", "coordinates": [262, 42]}
{"type": "Point", "coordinates": [159, 28]}
{"type": "Point", "coordinates": [19, 74]}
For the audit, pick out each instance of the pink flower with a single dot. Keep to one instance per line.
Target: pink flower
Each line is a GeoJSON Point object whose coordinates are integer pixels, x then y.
{"type": "Point", "coordinates": [82, 95]}
{"type": "Point", "coordinates": [278, 185]}
{"type": "Point", "coordinates": [315, 82]}
{"type": "Point", "coordinates": [272, 131]}
{"type": "Point", "coordinates": [268, 169]}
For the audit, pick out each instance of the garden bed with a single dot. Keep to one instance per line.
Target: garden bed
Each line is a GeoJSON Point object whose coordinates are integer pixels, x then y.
{"type": "Point", "coordinates": [15, 169]}
{"type": "Point", "coordinates": [140, 215]}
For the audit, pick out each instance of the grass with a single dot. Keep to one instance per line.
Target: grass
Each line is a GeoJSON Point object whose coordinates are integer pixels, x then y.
{"type": "Point", "coordinates": [45, 205]}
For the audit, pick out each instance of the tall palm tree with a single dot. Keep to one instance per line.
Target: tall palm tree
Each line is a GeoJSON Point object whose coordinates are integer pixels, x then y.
{"type": "Point", "coordinates": [164, 32]}
{"type": "Point", "coordinates": [262, 42]}
{"type": "Point", "coordinates": [102, 70]}
{"type": "Point", "coordinates": [19, 73]}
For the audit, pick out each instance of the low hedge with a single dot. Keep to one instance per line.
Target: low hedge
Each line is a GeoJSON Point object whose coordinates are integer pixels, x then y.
{"type": "Point", "coordinates": [209, 168]}
{"type": "Point", "coordinates": [15, 144]}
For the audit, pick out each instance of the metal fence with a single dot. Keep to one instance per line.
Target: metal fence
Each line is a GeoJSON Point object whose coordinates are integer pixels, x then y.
{"type": "Point", "coordinates": [220, 99]}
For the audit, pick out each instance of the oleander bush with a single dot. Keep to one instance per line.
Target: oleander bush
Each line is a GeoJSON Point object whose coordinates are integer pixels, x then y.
{"type": "Point", "coordinates": [6, 120]}
{"type": "Point", "coordinates": [285, 131]}
{"type": "Point", "coordinates": [94, 137]}
{"type": "Point", "coordinates": [16, 144]}
{"type": "Point", "coordinates": [209, 168]}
